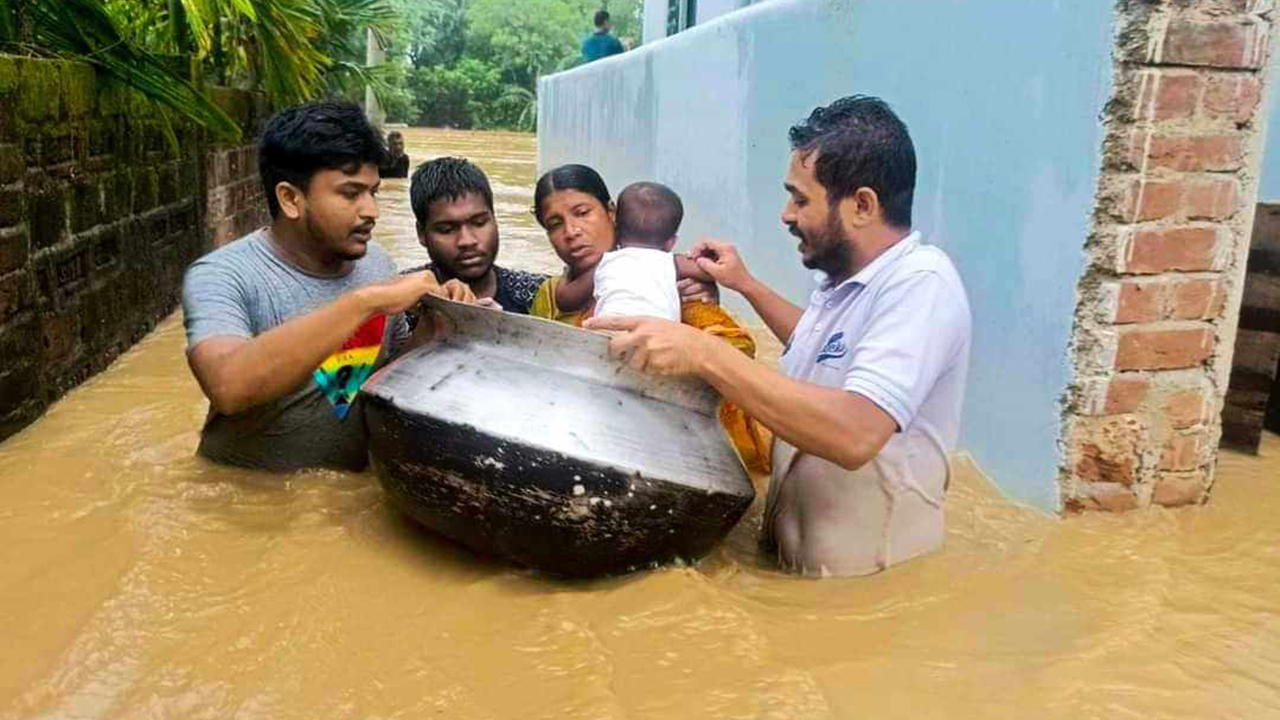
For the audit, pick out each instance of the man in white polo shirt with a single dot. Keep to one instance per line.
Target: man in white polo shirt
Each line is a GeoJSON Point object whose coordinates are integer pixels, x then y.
{"type": "Point", "coordinates": [866, 407]}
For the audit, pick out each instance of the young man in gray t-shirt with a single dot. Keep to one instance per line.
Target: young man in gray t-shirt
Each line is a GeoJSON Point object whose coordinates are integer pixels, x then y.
{"type": "Point", "coordinates": [285, 324]}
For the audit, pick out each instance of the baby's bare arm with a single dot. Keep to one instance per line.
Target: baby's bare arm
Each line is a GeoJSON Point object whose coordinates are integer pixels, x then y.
{"type": "Point", "coordinates": [573, 294]}
{"type": "Point", "coordinates": [686, 267]}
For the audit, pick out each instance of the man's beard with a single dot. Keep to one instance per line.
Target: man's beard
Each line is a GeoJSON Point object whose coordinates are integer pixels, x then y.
{"type": "Point", "coordinates": [321, 237]}
{"type": "Point", "coordinates": [829, 251]}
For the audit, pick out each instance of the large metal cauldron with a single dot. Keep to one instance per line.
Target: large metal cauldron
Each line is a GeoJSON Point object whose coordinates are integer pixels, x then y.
{"type": "Point", "coordinates": [518, 437]}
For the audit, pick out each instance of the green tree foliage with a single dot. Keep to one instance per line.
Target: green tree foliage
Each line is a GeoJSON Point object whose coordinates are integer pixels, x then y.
{"type": "Point", "coordinates": [476, 63]}
{"type": "Point", "coordinates": [395, 91]}
{"type": "Point", "coordinates": [526, 39]}
{"type": "Point", "coordinates": [294, 50]}
{"type": "Point", "coordinates": [458, 95]}
{"type": "Point", "coordinates": [521, 104]}
{"type": "Point", "coordinates": [462, 63]}
{"type": "Point", "coordinates": [431, 32]}
{"type": "Point", "coordinates": [84, 30]}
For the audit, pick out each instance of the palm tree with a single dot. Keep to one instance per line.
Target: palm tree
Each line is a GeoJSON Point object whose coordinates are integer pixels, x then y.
{"type": "Point", "coordinates": [294, 50]}
{"type": "Point", "coordinates": [83, 30]}
{"type": "Point", "coordinates": [527, 102]}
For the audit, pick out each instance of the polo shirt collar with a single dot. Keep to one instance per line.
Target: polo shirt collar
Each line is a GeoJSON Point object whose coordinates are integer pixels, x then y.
{"type": "Point", "coordinates": [864, 276]}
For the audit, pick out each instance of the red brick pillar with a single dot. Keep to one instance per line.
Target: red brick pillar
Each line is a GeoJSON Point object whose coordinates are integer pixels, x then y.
{"type": "Point", "coordinates": [1160, 295]}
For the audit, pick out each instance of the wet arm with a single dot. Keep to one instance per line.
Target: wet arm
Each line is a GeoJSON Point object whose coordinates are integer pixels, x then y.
{"type": "Point", "coordinates": [237, 373]}
{"type": "Point", "coordinates": [840, 426]}
{"type": "Point", "coordinates": [573, 294]}
{"type": "Point", "coordinates": [776, 311]}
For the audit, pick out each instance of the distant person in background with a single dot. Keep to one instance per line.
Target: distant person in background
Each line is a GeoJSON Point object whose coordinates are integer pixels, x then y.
{"type": "Point", "coordinates": [601, 44]}
{"type": "Point", "coordinates": [396, 164]}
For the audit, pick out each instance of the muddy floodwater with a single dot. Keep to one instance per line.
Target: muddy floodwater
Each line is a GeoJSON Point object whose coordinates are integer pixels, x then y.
{"type": "Point", "coordinates": [137, 581]}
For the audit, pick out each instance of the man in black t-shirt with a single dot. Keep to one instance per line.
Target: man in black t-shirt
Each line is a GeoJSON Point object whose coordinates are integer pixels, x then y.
{"type": "Point", "coordinates": [453, 205]}
{"type": "Point", "coordinates": [396, 164]}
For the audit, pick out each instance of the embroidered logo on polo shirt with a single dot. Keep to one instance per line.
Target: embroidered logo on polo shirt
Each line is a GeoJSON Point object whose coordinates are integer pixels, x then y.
{"type": "Point", "coordinates": [834, 349]}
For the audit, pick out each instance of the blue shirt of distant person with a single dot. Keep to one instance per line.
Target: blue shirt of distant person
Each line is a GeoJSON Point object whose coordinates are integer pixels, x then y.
{"type": "Point", "coordinates": [601, 44]}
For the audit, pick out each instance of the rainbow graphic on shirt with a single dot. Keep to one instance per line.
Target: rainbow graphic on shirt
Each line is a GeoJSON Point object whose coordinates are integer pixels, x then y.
{"type": "Point", "coordinates": [342, 373]}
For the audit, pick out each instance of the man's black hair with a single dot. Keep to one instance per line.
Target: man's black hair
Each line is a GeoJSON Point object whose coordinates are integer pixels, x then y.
{"type": "Point", "coordinates": [860, 142]}
{"type": "Point", "coordinates": [602, 17]}
{"type": "Point", "coordinates": [648, 214]}
{"type": "Point", "coordinates": [300, 141]}
{"type": "Point", "coordinates": [446, 177]}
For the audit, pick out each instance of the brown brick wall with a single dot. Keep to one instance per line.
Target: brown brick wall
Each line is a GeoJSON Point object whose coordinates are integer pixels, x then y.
{"type": "Point", "coordinates": [1161, 293]}
{"type": "Point", "coordinates": [100, 213]}
{"type": "Point", "coordinates": [234, 205]}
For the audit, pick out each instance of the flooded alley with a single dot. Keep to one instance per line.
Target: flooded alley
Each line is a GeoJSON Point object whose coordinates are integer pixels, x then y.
{"type": "Point", "coordinates": [137, 581]}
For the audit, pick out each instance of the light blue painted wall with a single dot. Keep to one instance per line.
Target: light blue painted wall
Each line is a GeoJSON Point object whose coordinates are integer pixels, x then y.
{"type": "Point", "coordinates": [1002, 98]}
{"type": "Point", "coordinates": [655, 20]}
{"type": "Point", "coordinates": [1269, 182]}
{"type": "Point", "coordinates": [655, 14]}
{"type": "Point", "coordinates": [709, 10]}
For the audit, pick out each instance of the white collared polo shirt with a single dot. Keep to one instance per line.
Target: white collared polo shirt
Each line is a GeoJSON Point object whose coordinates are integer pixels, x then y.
{"type": "Point", "coordinates": [897, 333]}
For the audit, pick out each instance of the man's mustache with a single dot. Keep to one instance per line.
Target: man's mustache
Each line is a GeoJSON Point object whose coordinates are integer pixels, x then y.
{"type": "Point", "coordinates": [365, 228]}
{"type": "Point", "coordinates": [795, 230]}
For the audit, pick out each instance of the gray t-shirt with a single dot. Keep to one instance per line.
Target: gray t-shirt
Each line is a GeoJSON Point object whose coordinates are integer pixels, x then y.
{"type": "Point", "coordinates": [243, 290]}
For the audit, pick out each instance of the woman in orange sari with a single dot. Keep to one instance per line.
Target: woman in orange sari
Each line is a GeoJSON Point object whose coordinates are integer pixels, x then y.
{"type": "Point", "coordinates": [573, 205]}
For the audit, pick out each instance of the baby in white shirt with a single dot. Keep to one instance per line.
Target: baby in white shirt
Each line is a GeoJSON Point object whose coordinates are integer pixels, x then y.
{"type": "Point", "coordinates": [637, 277]}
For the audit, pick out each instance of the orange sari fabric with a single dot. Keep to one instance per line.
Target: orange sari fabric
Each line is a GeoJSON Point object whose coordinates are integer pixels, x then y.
{"type": "Point", "coordinates": [748, 436]}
